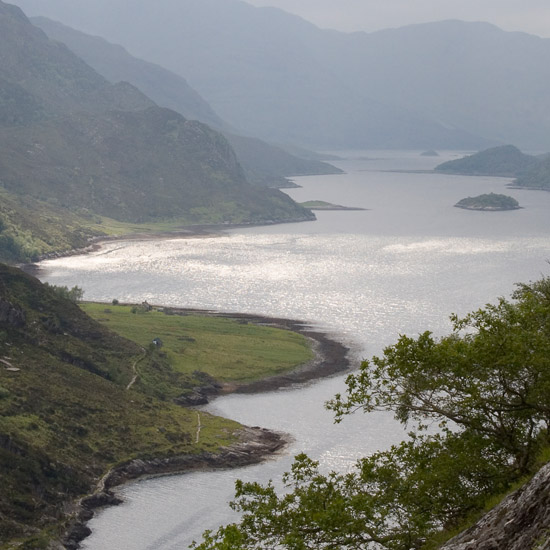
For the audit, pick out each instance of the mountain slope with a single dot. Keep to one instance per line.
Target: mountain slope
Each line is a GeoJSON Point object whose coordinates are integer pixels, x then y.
{"type": "Point", "coordinates": [66, 416]}
{"type": "Point", "coordinates": [264, 164]}
{"type": "Point", "coordinates": [135, 166]}
{"type": "Point", "coordinates": [474, 75]}
{"type": "Point", "coordinates": [538, 177]}
{"type": "Point", "coordinates": [115, 64]}
{"type": "Point", "coordinates": [74, 141]}
{"type": "Point", "coordinates": [83, 408]}
{"type": "Point", "coordinates": [270, 165]}
{"type": "Point", "coordinates": [51, 74]}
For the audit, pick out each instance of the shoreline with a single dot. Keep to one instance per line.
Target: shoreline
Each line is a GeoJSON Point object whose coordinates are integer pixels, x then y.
{"type": "Point", "coordinates": [330, 357]}
{"type": "Point", "coordinates": [253, 445]}
{"type": "Point", "coordinates": [184, 232]}
{"type": "Point", "coordinates": [488, 208]}
{"type": "Point", "coordinates": [194, 232]}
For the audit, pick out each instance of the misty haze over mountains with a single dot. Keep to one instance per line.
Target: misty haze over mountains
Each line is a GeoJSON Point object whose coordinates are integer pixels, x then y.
{"type": "Point", "coordinates": [263, 163]}
{"type": "Point", "coordinates": [275, 76]}
{"type": "Point", "coordinates": [75, 149]}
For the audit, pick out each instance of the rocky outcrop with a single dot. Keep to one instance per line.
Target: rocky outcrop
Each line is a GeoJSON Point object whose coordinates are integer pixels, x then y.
{"type": "Point", "coordinates": [78, 532]}
{"type": "Point", "coordinates": [200, 394]}
{"type": "Point", "coordinates": [193, 399]}
{"type": "Point", "coordinates": [520, 522]}
{"type": "Point", "coordinates": [12, 315]}
{"type": "Point", "coordinates": [254, 445]}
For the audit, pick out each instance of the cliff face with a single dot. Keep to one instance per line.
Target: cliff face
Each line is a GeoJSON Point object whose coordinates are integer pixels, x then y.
{"type": "Point", "coordinates": [520, 522]}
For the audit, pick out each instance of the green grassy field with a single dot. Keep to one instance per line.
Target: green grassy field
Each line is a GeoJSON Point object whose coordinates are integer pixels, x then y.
{"type": "Point", "coordinates": [229, 350]}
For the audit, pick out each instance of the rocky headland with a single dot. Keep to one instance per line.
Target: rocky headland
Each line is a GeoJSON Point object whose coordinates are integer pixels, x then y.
{"type": "Point", "coordinates": [253, 445]}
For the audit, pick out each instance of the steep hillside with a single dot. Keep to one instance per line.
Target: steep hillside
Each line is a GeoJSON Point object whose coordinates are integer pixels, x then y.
{"type": "Point", "coordinates": [115, 64]}
{"type": "Point", "coordinates": [65, 416]}
{"type": "Point", "coordinates": [78, 400]}
{"type": "Point", "coordinates": [270, 165]}
{"type": "Point", "coordinates": [264, 164]}
{"type": "Point", "coordinates": [51, 75]}
{"type": "Point", "coordinates": [17, 106]}
{"type": "Point", "coordinates": [136, 166]}
{"type": "Point", "coordinates": [506, 161]}
{"type": "Point", "coordinates": [77, 143]}
{"type": "Point", "coordinates": [30, 228]}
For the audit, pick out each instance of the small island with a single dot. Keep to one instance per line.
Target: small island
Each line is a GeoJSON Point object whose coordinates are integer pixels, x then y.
{"type": "Point", "coordinates": [429, 153]}
{"type": "Point", "coordinates": [322, 205]}
{"type": "Point", "coordinates": [489, 201]}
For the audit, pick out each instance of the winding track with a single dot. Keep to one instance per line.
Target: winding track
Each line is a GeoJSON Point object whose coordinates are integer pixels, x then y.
{"type": "Point", "coordinates": [134, 369]}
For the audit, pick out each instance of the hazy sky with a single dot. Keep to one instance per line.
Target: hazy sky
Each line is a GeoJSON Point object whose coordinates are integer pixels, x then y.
{"type": "Point", "coordinates": [532, 16]}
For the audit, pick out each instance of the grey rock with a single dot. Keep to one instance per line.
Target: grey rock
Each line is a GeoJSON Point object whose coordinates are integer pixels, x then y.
{"type": "Point", "coordinates": [520, 522]}
{"type": "Point", "coordinates": [12, 315]}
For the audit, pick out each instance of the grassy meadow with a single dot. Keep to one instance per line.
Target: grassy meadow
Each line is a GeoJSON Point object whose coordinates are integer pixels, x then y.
{"type": "Point", "coordinates": [228, 350]}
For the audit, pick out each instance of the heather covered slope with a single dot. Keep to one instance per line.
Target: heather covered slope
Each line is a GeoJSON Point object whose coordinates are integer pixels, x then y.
{"type": "Point", "coordinates": [77, 399]}
{"type": "Point", "coordinates": [65, 415]}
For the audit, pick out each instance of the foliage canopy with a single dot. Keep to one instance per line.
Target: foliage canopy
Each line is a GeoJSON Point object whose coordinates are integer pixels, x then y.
{"type": "Point", "coordinates": [486, 386]}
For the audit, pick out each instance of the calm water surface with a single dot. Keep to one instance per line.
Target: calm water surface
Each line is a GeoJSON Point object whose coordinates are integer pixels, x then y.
{"type": "Point", "coordinates": [401, 266]}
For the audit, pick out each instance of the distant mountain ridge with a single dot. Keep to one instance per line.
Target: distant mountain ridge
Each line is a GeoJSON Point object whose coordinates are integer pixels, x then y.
{"type": "Point", "coordinates": [59, 81]}
{"type": "Point", "coordinates": [505, 161]}
{"type": "Point", "coordinates": [263, 163]}
{"type": "Point", "coordinates": [449, 84]}
{"type": "Point", "coordinates": [76, 145]}
{"type": "Point", "coordinates": [115, 64]}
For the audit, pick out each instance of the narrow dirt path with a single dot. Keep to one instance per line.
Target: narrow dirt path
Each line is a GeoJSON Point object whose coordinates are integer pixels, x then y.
{"type": "Point", "coordinates": [134, 369]}
{"type": "Point", "coordinates": [199, 426]}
